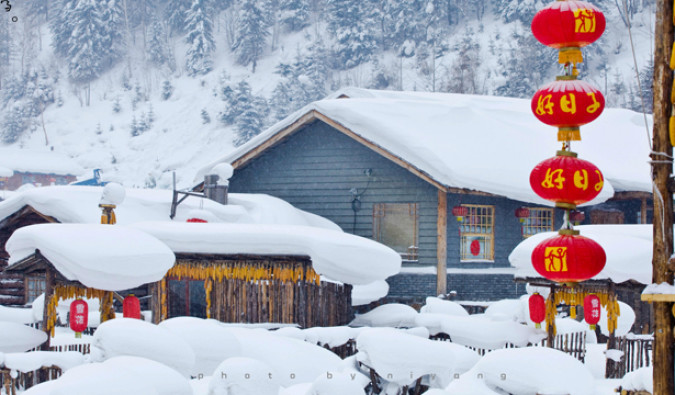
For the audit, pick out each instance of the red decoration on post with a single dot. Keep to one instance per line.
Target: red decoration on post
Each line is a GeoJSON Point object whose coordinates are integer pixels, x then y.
{"type": "Point", "coordinates": [568, 257]}
{"type": "Point", "coordinates": [131, 307]}
{"type": "Point", "coordinates": [567, 104]}
{"type": "Point", "coordinates": [537, 309]}
{"type": "Point", "coordinates": [592, 309]}
{"type": "Point", "coordinates": [566, 180]}
{"type": "Point", "coordinates": [568, 26]}
{"type": "Point", "coordinates": [79, 316]}
{"type": "Point", "coordinates": [460, 212]}
{"type": "Point", "coordinates": [522, 213]}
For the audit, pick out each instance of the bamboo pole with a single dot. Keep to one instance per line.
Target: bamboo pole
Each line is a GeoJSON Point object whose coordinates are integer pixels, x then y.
{"type": "Point", "coordinates": [662, 168]}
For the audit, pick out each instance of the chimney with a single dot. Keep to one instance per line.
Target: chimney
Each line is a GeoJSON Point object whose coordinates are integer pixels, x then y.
{"type": "Point", "coordinates": [216, 184]}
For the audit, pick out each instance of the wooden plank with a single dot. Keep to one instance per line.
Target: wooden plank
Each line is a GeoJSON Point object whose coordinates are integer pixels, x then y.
{"type": "Point", "coordinates": [442, 243]}
{"type": "Point", "coordinates": [657, 298]}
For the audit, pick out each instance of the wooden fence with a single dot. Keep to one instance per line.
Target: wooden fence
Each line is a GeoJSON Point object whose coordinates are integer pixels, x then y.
{"type": "Point", "coordinates": [637, 353]}
{"type": "Point", "coordinates": [22, 381]}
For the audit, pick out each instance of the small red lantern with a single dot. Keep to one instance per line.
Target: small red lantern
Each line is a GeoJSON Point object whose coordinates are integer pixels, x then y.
{"type": "Point", "coordinates": [196, 220]}
{"type": "Point", "coordinates": [577, 217]}
{"type": "Point", "coordinates": [592, 309]}
{"type": "Point", "coordinates": [566, 180]}
{"type": "Point", "coordinates": [522, 213]}
{"type": "Point", "coordinates": [568, 26]}
{"type": "Point", "coordinates": [567, 103]}
{"type": "Point", "coordinates": [79, 316]}
{"type": "Point", "coordinates": [474, 247]}
{"type": "Point", "coordinates": [568, 257]}
{"type": "Point", "coordinates": [131, 307]}
{"type": "Point", "coordinates": [460, 212]}
{"type": "Point", "coordinates": [537, 309]}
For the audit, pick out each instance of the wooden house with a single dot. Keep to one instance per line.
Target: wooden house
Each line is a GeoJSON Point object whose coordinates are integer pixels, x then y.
{"type": "Point", "coordinates": [258, 259]}
{"type": "Point", "coordinates": [391, 166]}
{"type": "Point", "coordinates": [38, 168]}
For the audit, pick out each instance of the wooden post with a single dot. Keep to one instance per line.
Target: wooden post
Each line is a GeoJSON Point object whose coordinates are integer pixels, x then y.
{"type": "Point", "coordinates": [442, 243]}
{"type": "Point", "coordinates": [49, 291]}
{"type": "Point", "coordinates": [662, 168]}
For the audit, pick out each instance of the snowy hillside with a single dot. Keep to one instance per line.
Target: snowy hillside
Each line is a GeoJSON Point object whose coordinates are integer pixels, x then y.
{"type": "Point", "coordinates": [171, 85]}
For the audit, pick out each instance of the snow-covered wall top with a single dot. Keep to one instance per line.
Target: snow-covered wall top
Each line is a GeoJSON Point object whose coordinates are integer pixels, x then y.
{"type": "Point", "coordinates": [481, 143]}
{"type": "Point", "coordinates": [35, 161]}
{"type": "Point", "coordinates": [628, 249]}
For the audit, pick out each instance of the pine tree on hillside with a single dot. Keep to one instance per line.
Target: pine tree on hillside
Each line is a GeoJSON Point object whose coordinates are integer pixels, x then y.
{"type": "Point", "coordinates": [5, 49]}
{"type": "Point", "coordinates": [38, 9]}
{"type": "Point", "coordinates": [61, 25]}
{"type": "Point", "coordinates": [86, 43]}
{"type": "Point", "coordinates": [158, 46]}
{"type": "Point", "coordinates": [112, 35]}
{"type": "Point", "coordinates": [399, 22]}
{"type": "Point", "coordinates": [353, 25]}
{"type": "Point", "coordinates": [167, 90]}
{"type": "Point", "coordinates": [518, 10]}
{"type": "Point", "coordinates": [294, 14]}
{"type": "Point", "coordinates": [14, 123]}
{"type": "Point", "coordinates": [251, 34]}
{"type": "Point", "coordinates": [248, 121]}
{"type": "Point", "coordinates": [199, 38]}
{"type": "Point", "coordinates": [647, 85]}
{"type": "Point", "coordinates": [175, 15]}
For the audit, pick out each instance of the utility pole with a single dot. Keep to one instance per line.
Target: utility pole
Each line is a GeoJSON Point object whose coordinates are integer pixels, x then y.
{"type": "Point", "coordinates": [662, 168]}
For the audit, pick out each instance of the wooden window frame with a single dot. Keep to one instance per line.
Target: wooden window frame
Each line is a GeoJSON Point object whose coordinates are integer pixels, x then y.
{"type": "Point", "coordinates": [186, 298]}
{"type": "Point", "coordinates": [380, 211]}
{"type": "Point", "coordinates": [529, 229]}
{"type": "Point", "coordinates": [468, 230]}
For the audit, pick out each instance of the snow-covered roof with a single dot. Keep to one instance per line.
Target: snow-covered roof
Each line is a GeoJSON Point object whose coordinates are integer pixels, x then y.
{"type": "Point", "coordinates": [628, 249]}
{"type": "Point", "coordinates": [249, 224]}
{"type": "Point", "coordinates": [35, 161]}
{"type": "Point", "coordinates": [480, 143]}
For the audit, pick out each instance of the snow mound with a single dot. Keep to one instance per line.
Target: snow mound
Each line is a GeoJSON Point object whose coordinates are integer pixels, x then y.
{"type": "Point", "coordinates": [244, 376]}
{"type": "Point", "coordinates": [624, 321]}
{"type": "Point", "coordinates": [436, 305]}
{"type": "Point", "coordinates": [364, 294]}
{"type": "Point", "coordinates": [639, 380]}
{"type": "Point", "coordinates": [390, 315]}
{"type": "Point", "coordinates": [19, 338]}
{"type": "Point", "coordinates": [34, 360]}
{"type": "Point", "coordinates": [17, 315]}
{"type": "Point", "coordinates": [211, 343]}
{"type": "Point", "coordinates": [132, 337]}
{"type": "Point", "coordinates": [335, 384]}
{"type": "Point", "coordinates": [107, 257]}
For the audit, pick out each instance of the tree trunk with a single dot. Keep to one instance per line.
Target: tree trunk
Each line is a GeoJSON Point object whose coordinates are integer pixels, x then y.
{"type": "Point", "coordinates": [662, 167]}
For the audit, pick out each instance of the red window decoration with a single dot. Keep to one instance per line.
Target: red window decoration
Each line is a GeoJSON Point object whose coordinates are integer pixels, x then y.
{"type": "Point", "coordinates": [568, 257]}
{"type": "Point", "coordinates": [592, 309]}
{"type": "Point", "coordinates": [568, 26]}
{"type": "Point", "coordinates": [131, 307]}
{"type": "Point", "coordinates": [566, 180]}
{"type": "Point", "coordinates": [460, 212]}
{"type": "Point", "coordinates": [567, 104]}
{"type": "Point", "coordinates": [522, 213]}
{"type": "Point", "coordinates": [79, 316]}
{"type": "Point", "coordinates": [475, 248]}
{"type": "Point", "coordinates": [577, 217]}
{"type": "Point", "coordinates": [196, 220]}
{"type": "Point", "coordinates": [537, 309]}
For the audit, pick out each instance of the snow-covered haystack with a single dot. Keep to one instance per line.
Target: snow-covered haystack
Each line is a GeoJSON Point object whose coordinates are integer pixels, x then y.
{"type": "Point", "coordinates": [436, 305]}
{"type": "Point", "coordinates": [529, 370]}
{"type": "Point", "coordinates": [19, 338]}
{"type": "Point", "coordinates": [211, 343]}
{"type": "Point", "coordinates": [244, 376]}
{"type": "Point", "coordinates": [120, 375]}
{"type": "Point", "coordinates": [402, 358]}
{"type": "Point", "coordinates": [389, 315]}
{"type": "Point", "coordinates": [132, 337]}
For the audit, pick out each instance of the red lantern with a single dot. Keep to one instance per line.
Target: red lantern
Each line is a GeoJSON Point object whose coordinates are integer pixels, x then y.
{"type": "Point", "coordinates": [568, 257]}
{"type": "Point", "coordinates": [567, 103]}
{"type": "Point", "coordinates": [522, 213]}
{"type": "Point", "coordinates": [537, 309]}
{"type": "Point", "coordinates": [474, 247]}
{"type": "Point", "coordinates": [131, 307]}
{"type": "Point", "coordinates": [592, 309]}
{"type": "Point", "coordinates": [79, 316]}
{"type": "Point", "coordinates": [566, 180]}
{"type": "Point", "coordinates": [568, 26]}
{"type": "Point", "coordinates": [460, 212]}
{"type": "Point", "coordinates": [196, 220]}
{"type": "Point", "coordinates": [577, 217]}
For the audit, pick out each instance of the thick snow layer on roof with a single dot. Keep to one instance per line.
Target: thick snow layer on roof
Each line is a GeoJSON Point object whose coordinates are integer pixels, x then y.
{"type": "Point", "coordinates": [17, 315]}
{"type": "Point", "coordinates": [34, 360]}
{"type": "Point", "coordinates": [388, 315]}
{"type": "Point", "coordinates": [133, 337]}
{"type": "Point", "coordinates": [628, 249]}
{"type": "Point", "coordinates": [120, 375]}
{"type": "Point", "coordinates": [530, 370]}
{"type": "Point", "coordinates": [79, 204]}
{"type": "Point", "coordinates": [364, 294]}
{"type": "Point", "coordinates": [107, 257]}
{"type": "Point", "coordinates": [337, 255]}
{"type": "Point", "coordinates": [35, 161]}
{"type": "Point", "coordinates": [445, 135]}
{"type": "Point", "coordinates": [19, 338]}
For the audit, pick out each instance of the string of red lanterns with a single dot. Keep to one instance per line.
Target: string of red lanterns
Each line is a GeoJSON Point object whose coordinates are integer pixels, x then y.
{"type": "Point", "coordinates": [566, 180]}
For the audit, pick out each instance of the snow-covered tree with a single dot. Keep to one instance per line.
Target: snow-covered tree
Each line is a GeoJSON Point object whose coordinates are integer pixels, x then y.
{"type": "Point", "coordinates": [251, 34]}
{"type": "Point", "coordinates": [61, 25]}
{"type": "Point", "coordinates": [249, 119]}
{"type": "Point", "coordinates": [354, 29]}
{"type": "Point", "coordinates": [112, 34]}
{"type": "Point", "coordinates": [294, 14]}
{"type": "Point", "coordinates": [14, 123]}
{"type": "Point", "coordinates": [158, 46]}
{"type": "Point", "coordinates": [206, 118]}
{"type": "Point", "coordinates": [175, 15]}
{"type": "Point", "coordinates": [199, 39]}
{"type": "Point", "coordinates": [167, 90]}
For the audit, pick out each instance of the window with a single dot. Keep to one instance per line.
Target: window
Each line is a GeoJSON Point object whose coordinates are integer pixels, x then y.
{"type": "Point", "coordinates": [395, 225]}
{"type": "Point", "coordinates": [477, 233]}
{"type": "Point", "coordinates": [186, 298]}
{"type": "Point", "coordinates": [540, 220]}
{"type": "Point", "coordinates": [35, 286]}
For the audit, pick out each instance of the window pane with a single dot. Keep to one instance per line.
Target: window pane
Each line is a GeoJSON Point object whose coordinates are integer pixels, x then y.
{"type": "Point", "coordinates": [197, 299]}
{"type": "Point", "coordinates": [395, 225]}
{"type": "Point", "coordinates": [477, 233]}
{"type": "Point", "coordinates": [177, 302]}
{"type": "Point", "coordinates": [540, 220]}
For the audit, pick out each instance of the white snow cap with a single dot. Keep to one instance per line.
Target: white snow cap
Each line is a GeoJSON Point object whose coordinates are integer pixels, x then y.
{"type": "Point", "coordinates": [244, 376]}
{"type": "Point", "coordinates": [113, 193]}
{"type": "Point", "coordinates": [106, 257]}
{"type": "Point", "coordinates": [19, 338]}
{"type": "Point", "coordinates": [6, 172]}
{"type": "Point", "coordinates": [224, 171]}
{"type": "Point", "coordinates": [628, 249]}
{"type": "Point", "coordinates": [388, 315]}
{"type": "Point", "coordinates": [437, 305]}
{"type": "Point", "coordinates": [38, 161]}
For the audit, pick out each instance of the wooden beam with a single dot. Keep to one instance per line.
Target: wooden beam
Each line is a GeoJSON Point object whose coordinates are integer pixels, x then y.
{"type": "Point", "coordinates": [442, 243]}
{"type": "Point", "coordinates": [662, 168]}
{"type": "Point", "coordinates": [49, 291]}
{"type": "Point", "coordinates": [629, 195]}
